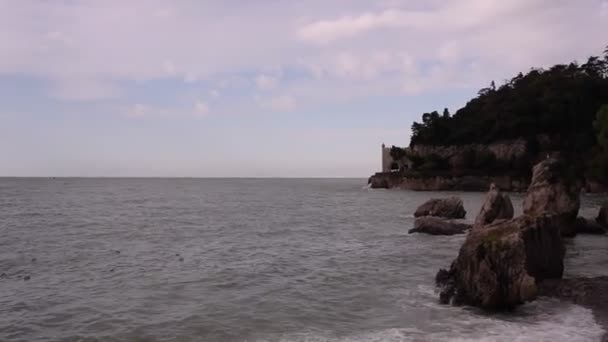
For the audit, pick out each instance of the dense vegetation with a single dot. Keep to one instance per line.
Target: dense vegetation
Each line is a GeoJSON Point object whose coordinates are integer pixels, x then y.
{"type": "Point", "coordinates": [563, 103]}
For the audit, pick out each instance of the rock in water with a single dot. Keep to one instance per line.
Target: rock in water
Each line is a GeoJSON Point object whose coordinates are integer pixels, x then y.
{"type": "Point", "coordinates": [584, 226]}
{"type": "Point", "coordinates": [554, 192]}
{"type": "Point", "coordinates": [497, 267]}
{"type": "Point", "coordinates": [602, 217]}
{"type": "Point", "coordinates": [450, 207]}
{"type": "Point", "coordinates": [437, 226]}
{"type": "Point", "coordinates": [497, 206]}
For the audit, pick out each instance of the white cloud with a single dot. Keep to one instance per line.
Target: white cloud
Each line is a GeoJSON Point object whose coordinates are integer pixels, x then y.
{"type": "Point", "coordinates": [280, 103]}
{"type": "Point", "coordinates": [74, 89]}
{"type": "Point", "coordinates": [90, 50]}
{"type": "Point", "coordinates": [201, 108]}
{"type": "Point", "coordinates": [266, 82]}
{"type": "Point", "coordinates": [453, 15]}
{"type": "Point", "coordinates": [137, 111]}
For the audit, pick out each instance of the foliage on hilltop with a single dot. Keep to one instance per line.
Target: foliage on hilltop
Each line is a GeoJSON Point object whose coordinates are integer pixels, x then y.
{"type": "Point", "coordinates": [563, 103]}
{"type": "Point", "coordinates": [562, 100]}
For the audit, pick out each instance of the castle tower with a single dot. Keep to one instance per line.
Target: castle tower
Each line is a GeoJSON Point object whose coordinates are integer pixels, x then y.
{"type": "Point", "coordinates": [386, 158]}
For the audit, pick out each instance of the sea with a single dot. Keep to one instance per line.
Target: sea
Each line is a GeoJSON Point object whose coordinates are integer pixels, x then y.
{"type": "Point", "coordinates": [146, 259]}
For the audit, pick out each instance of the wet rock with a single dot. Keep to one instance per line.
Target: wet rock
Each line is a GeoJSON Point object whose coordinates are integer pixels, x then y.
{"type": "Point", "coordinates": [436, 226]}
{"type": "Point", "coordinates": [497, 267]}
{"type": "Point", "coordinates": [26, 278]}
{"type": "Point", "coordinates": [497, 206]}
{"type": "Point", "coordinates": [450, 207]}
{"type": "Point", "coordinates": [584, 226]}
{"type": "Point", "coordinates": [554, 191]}
{"type": "Point", "coordinates": [602, 217]}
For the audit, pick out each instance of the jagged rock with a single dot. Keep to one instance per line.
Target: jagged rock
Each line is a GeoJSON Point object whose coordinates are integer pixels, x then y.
{"type": "Point", "coordinates": [450, 207]}
{"type": "Point", "coordinates": [602, 217]}
{"type": "Point", "coordinates": [551, 192]}
{"type": "Point", "coordinates": [554, 192]}
{"type": "Point", "coordinates": [437, 226]}
{"type": "Point", "coordinates": [497, 206]}
{"type": "Point", "coordinates": [376, 182]}
{"type": "Point", "coordinates": [584, 226]}
{"type": "Point", "coordinates": [498, 266]}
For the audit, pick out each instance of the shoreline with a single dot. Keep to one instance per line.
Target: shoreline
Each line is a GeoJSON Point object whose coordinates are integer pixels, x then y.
{"type": "Point", "coordinates": [588, 292]}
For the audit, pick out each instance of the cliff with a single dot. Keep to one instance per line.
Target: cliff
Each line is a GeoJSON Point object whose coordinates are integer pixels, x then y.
{"type": "Point", "coordinates": [499, 134]}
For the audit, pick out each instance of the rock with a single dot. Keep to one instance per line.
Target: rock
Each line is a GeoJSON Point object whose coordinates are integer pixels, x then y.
{"type": "Point", "coordinates": [437, 226]}
{"type": "Point", "coordinates": [377, 182]}
{"type": "Point", "coordinates": [498, 266]}
{"type": "Point", "coordinates": [584, 226]}
{"type": "Point", "coordinates": [554, 192]}
{"type": "Point", "coordinates": [450, 207]}
{"type": "Point", "coordinates": [602, 217]}
{"type": "Point", "coordinates": [26, 278]}
{"type": "Point", "coordinates": [497, 206]}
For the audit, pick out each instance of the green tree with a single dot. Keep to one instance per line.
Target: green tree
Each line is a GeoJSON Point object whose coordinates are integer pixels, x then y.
{"type": "Point", "coordinates": [601, 128]}
{"type": "Point", "coordinates": [599, 162]}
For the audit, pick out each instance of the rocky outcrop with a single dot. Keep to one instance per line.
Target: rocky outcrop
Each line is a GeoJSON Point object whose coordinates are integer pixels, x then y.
{"type": "Point", "coordinates": [385, 180]}
{"type": "Point", "coordinates": [462, 183]}
{"type": "Point", "coordinates": [504, 151]}
{"type": "Point", "coordinates": [437, 226]}
{"type": "Point", "coordinates": [584, 226]}
{"type": "Point", "coordinates": [602, 216]}
{"type": "Point", "coordinates": [497, 206]}
{"type": "Point", "coordinates": [554, 192]}
{"type": "Point", "coordinates": [498, 266]}
{"type": "Point", "coordinates": [550, 192]}
{"type": "Point", "coordinates": [450, 207]}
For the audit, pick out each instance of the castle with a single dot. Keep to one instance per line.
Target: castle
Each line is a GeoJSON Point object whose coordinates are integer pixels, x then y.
{"type": "Point", "coordinates": [389, 164]}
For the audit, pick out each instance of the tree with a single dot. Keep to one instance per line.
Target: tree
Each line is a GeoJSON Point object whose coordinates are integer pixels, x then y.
{"type": "Point", "coordinates": [600, 126]}
{"type": "Point", "coordinates": [446, 113]}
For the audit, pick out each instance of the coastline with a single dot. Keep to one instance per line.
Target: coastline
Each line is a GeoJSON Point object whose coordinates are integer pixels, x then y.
{"type": "Point", "coordinates": [589, 292]}
{"type": "Point", "coordinates": [467, 183]}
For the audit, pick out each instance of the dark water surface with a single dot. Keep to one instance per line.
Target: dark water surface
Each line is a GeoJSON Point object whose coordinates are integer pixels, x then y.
{"type": "Point", "coordinates": [246, 260]}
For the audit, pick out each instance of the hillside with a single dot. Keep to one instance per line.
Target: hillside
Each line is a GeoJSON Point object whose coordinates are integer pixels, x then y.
{"type": "Point", "coordinates": [562, 109]}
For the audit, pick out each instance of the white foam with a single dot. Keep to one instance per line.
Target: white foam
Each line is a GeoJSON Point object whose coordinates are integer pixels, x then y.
{"type": "Point", "coordinates": [569, 323]}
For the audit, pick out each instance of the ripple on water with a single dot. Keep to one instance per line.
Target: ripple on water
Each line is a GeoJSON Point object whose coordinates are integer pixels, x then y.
{"type": "Point", "coordinates": [245, 260]}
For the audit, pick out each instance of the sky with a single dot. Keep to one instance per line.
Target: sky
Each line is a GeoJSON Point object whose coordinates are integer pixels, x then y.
{"type": "Point", "coordinates": [256, 88]}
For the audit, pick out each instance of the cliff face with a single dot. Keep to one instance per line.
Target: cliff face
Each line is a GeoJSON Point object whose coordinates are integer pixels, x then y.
{"type": "Point", "coordinates": [458, 156]}
{"type": "Point", "coordinates": [472, 167]}
{"type": "Point", "coordinates": [446, 183]}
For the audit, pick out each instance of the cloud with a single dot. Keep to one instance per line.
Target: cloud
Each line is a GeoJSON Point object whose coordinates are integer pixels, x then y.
{"type": "Point", "coordinates": [91, 51]}
{"type": "Point", "coordinates": [266, 82]}
{"type": "Point", "coordinates": [139, 111]}
{"type": "Point", "coordinates": [201, 108]}
{"type": "Point", "coordinates": [83, 90]}
{"type": "Point", "coordinates": [280, 103]}
{"type": "Point", "coordinates": [453, 15]}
